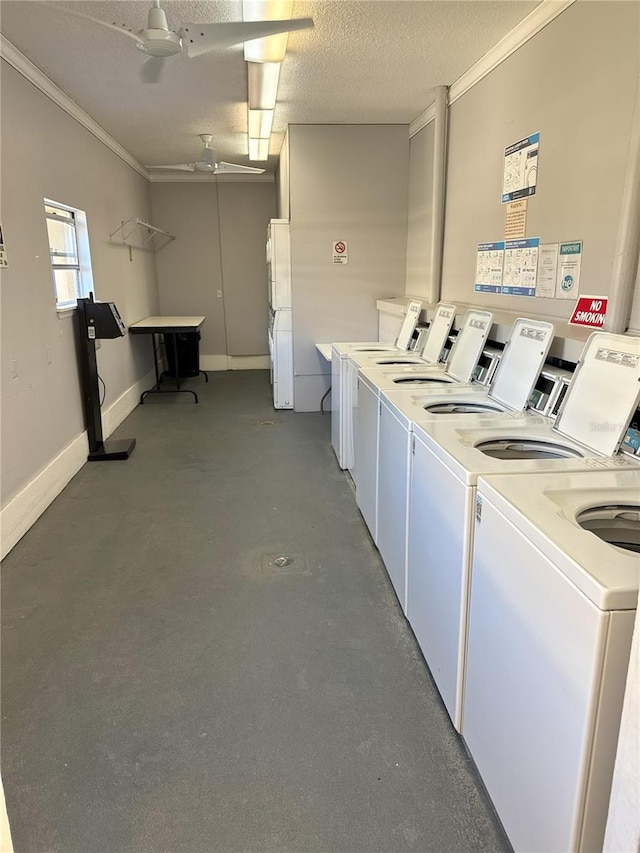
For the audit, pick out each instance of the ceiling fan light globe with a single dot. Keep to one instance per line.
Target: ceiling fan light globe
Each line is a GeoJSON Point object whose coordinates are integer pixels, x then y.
{"type": "Point", "coordinates": [159, 42]}
{"type": "Point", "coordinates": [205, 167]}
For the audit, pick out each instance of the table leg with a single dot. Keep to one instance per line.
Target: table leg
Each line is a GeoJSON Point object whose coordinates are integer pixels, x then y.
{"type": "Point", "coordinates": [156, 388]}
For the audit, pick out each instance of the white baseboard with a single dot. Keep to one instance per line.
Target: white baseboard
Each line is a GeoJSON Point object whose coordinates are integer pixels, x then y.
{"type": "Point", "coordinates": [113, 416]}
{"type": "Point", "coordinates": [234, 362]}
{"type": "Point", "coordinates": [27, 506]}
{"type": "Point", "coordinates": [6, 845]}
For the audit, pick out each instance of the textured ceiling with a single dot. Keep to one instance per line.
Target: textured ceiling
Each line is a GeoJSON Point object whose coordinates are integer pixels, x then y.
{"type": "Point", "coordinates": [364, 62]}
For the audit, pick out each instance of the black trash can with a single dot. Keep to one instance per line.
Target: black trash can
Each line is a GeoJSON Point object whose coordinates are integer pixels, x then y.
{"type": "Point", "coordinates": [188, 346]}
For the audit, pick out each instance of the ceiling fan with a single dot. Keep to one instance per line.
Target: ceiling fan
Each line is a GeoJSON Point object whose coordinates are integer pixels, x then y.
{"type": "Point", "coordinates": [158, 42]}
{"type": "Point", "coordinates": [207, 163]}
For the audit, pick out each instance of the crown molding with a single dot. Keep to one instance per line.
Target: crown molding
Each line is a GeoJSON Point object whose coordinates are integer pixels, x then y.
{"type": "Point", "coordinates": [34, 75]}
{"type": "Point", "coordinates": [530, 26]}
{"type": "Point", "coordinates": [203, 177]}
{"type": "Point", "coordinates": [422, 120]}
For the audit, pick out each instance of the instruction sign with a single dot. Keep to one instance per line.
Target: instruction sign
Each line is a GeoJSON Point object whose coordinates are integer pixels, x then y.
{"type": "Point", "coordinates": [340, 252]}
{"type": "Point", "coordinates": [515, 220]}
{"type": "Point", "coordinates": [489, 265]}
{"type": "Point", "coordinates": [590, 311]}
{"type": "Point", "coordinates": [520, 168]}
{"type": "Point", "coordinates": [520, 266]}
{"type": "Point", "coordinates": [569, 264]}
{"type": "Point", "coordinates": [547, 270]}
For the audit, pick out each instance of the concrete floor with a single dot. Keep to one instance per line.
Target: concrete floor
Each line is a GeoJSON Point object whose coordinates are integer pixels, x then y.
{"type": "Point", "coordinates": [167, 686]}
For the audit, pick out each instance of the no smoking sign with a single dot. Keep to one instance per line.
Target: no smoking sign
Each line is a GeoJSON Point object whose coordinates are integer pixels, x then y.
{"type": "Point", "coordinates": [340, 252]}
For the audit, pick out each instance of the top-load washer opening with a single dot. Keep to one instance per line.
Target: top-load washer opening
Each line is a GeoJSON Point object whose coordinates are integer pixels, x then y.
{"type": "Point", "coordinates": [527, 448]}
{"type": "Point", "coordinates": [405, 360]}
{"type": "Point", "coordinates": [412, 379]}
{"type": "Point", "coordinates": [460, 408]}
{"type": "Point", "coordinates": [618, 525]}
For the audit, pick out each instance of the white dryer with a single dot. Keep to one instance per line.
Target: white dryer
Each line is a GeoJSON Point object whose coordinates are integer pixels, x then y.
{"type": "Point", "coordinates": [340, 353]}
{"type": "Point", "coordinates": [524, 354]}
{"type": "Point", "coordinates": [555, 575]}
{"type": "Point", "coordinates": [446, 463]}
{"type": "Point", "coordinates": [433, 347]}
{"type": "Point", "coordinates": [459, 370]}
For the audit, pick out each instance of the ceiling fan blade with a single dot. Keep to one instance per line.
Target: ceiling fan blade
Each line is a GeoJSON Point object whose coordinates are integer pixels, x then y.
{"type": "Point", "coordinates": [123, 29]}
{"type": "Point", "coordinates": [234, 168]}
{"type": "Point", "coordinates": [179, 167]}
{"type": "Point", "coordinates": [152, 69]}
{"type": "Point", "coordinates": [201, 38]}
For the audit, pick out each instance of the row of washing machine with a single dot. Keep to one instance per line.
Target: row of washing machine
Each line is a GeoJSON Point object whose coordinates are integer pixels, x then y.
{"type": "Point", "coordinates": [507, 513]}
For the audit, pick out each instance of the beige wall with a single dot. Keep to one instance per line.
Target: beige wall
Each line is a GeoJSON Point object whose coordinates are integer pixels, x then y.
{"type": "Point", "coordinates": [245, 211]}
{"type": "Point", "coordinates": [420, 223]}
{"type": "Point", "coordinates": [220, 232]}
{"type": "Point", "coordinates": [346, 182]}
{"type": "Point", "coordinates": [282, 180]}
{"type": "Point", "coordinates": [575, 83]}
{"type": "Point", "coordinates": [46, 153]}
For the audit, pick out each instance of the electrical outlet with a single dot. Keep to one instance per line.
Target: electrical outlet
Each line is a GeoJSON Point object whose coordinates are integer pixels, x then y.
{"type": "Point", "coordinates": [14, 368]}
{"type": "Point", "coordinates": [47, 351]}
{"type": "Point", "coordinates": [219, 294]}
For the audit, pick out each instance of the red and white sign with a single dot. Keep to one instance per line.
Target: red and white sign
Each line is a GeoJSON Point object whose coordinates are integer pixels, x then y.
{"type": "Point", "coordinates": [340, 252]}
{"type": "Point", "coordinates": [589, 311]}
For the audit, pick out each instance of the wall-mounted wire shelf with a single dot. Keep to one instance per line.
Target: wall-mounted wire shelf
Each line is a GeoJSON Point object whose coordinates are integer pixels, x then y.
{"type": "Point", "coordinates": [137, 234]}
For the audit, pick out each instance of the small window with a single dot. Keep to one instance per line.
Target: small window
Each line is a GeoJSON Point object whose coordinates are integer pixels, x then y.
{"type": "Point", "coordinates": [69, 252]}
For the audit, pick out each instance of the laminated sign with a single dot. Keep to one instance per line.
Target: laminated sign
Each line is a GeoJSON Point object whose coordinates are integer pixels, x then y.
{"type": "Point", "coordinates": [590, 311]}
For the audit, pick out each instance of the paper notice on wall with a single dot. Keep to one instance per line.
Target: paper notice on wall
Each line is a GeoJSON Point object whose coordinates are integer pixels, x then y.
{"type": "Point", "coordinates": [3, 252]}
{"type": "Point", "coordinates": [569, 266]}
{"type": "Point", "coordinates": [520, 168]}
{"type": "Point", "coordinates": [515, 220]}
{"type": "Point", "coordinates": [520, 266]}
{"type": "Point", "coordinates": [547, 268]}
{"type": "Point", "coordinates": [489, 265]}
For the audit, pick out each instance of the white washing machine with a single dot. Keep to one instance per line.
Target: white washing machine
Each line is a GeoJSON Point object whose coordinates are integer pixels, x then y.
{"type": "Point", "coordinates": [434, 345]}
{"type": "Point", "coordinates": [555, 575]}
{"type": "Point", "coordinates": [340, 353]}
{"type": "Point", "coordinates": [524, 354]}
{"type": "Point", "coordinates": [459, 370]}
{"type": "Point", "coordinates": [446, 463]}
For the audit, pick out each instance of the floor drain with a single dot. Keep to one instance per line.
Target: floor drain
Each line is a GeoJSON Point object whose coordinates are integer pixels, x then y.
{"type": "Point", "coordinates": [284, 564]}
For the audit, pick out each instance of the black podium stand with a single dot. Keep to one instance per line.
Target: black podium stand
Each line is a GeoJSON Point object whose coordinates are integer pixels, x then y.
{"type": "Point", "coordinates": [97, 321]}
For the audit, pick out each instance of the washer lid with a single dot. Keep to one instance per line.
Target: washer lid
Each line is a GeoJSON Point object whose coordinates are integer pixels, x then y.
{"type": "Point", "coordinates": [409, 324]}
{"type": "Point", "coordinates": [467, 347]}
{"type": "Point", "coordinates": [438, 332]}
{"type": "Point", "coordinates": [603, 394]}
{"type": "Point", "coordinates": [523, 356]}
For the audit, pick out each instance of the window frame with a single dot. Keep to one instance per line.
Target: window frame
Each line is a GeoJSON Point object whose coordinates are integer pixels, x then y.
{"type": "Point", "coordinates": [77, 219]}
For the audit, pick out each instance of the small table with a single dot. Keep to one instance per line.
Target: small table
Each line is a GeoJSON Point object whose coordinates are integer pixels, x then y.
{"type": "Point", "coordinates": [167, 326]}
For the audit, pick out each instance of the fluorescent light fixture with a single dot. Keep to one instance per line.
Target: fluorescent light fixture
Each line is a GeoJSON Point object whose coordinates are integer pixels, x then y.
{"type": "Point", "coordinates": [260, 123]}
{"type": "Point", "coordinates": [258, 149]}
{"type": "Point", "coordinates": [272, 48]}
{"type": "Point", "coordinates": [263, 84]}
